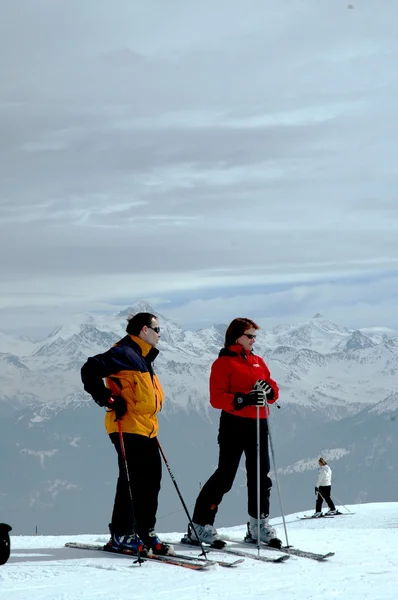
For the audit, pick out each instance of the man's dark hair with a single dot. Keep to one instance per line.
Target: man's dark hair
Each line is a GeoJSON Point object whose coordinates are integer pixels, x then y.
{"type": "Point", "coordinates": [138, 321]}
{"type": "Point", "coordinates": [237, 328]}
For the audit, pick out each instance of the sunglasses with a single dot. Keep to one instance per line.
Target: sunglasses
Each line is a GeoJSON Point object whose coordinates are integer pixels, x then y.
{"type": "Point", "coordinates": [156, 329]}
{"type": "Point", "coordinates": [251, 336]}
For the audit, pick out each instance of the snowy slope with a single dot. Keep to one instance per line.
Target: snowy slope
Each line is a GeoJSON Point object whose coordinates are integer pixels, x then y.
{"type": "Point", "coordinates": [363, 568]}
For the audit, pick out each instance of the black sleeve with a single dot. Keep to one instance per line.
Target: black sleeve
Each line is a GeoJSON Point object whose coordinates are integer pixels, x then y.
{"type": "Point", "coordinates": [95, 369]}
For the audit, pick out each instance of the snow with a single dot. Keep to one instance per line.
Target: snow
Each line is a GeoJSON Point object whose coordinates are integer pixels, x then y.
{"type": "Point", "coordinates": [364, 567]}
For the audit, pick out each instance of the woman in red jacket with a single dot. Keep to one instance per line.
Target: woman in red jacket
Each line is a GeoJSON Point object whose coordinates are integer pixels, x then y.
{"type": "Point", "coordinates": [233, 390]}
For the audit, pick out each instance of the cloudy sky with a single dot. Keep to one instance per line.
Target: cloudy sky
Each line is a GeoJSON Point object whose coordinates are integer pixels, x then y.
{"type": "Point", "coordinates": [216, 158]}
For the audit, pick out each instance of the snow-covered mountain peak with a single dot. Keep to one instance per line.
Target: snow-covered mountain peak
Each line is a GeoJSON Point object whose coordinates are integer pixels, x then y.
{"type": "Point", "coordinates": [316, 363]}
{"type": "Point", "coordinates": [389, 404]}
{"type": "Point", "coordinates": [327, 326]}
{"type": "Point", "coordinates": [76, 341]}
{"type": "Point", "coordinates": [317, 334]}
{"type": "Point", "coordinates": [379, 334]}
{"type": "Point", "coordinates": [391, 343]}
{"type": "Point", "coordinates": [73, 326]}
{"type": "Point", "coordinates": [355, 341]}
{"type": "Point", "coordinates": [139, 306]}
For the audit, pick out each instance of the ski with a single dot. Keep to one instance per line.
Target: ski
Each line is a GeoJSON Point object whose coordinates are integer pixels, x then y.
{"type": "Point", "coordinates": [315, 518]}
{"type": "Point", "coordinates": [287, 550]}
{"type": "Point", "coordinates": [278, 559]}
{"type": "Point", "coordinates": [326, 516]}
{"type": "Point", "coordinates": [340, 514]}
{"type": "Point", "coordinates": [237, 552]}
{"type": "Point", "coordinates": [222, 563]}
{"type": "Point", "coordinates": [166, 559]}
{"type": "Point", "coordinates": [303, 553]}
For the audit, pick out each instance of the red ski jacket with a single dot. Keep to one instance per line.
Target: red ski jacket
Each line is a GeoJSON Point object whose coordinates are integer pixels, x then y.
{"type": "Point", "coordinates": [236, 371]}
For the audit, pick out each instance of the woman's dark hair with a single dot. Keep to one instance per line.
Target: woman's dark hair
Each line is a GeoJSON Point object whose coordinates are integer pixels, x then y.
{"type": "Point", "coordinates": [236, 328]}
{"type": "Point", "coordinates": [138, 321]}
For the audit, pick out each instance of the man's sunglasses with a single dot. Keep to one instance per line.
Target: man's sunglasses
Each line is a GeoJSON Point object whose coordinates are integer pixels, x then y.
{"type": "Point", "coordinates": [251, 336]}
{"type": "Point", "coordinates": [156, 329]}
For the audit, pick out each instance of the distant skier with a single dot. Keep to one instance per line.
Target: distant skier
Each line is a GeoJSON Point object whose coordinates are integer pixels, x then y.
{"type": "Point", "coordinates": [323, 489]}
{"type": "Point", "coordinates": [4, 543]}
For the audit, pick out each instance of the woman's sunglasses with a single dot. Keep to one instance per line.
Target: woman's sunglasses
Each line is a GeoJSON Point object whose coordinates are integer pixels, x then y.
{"type": "Point", "coordinates": [251, 336]}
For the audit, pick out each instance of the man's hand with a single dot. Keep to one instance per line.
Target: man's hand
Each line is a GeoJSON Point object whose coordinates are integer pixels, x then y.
{"type": "Point", "coordinates": [117, 404]}
{"type": "Point", "coordinates": [316, 491]}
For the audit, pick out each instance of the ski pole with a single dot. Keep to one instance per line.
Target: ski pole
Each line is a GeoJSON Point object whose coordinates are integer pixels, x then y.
{"type": "Point", "coordinates": [258, 477]}
{"type": "Point", "coordinates": [276, 476]}
{"type": "Point", "coordinates": [126, 468]}
{"type": "Point", "coordinates": [181, 498]}
{"type": "Point", "coordinates": [338, 502]}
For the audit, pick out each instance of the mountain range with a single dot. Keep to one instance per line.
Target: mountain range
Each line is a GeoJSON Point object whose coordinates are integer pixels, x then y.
{"type": "Point", "coordinates": [338, 399]}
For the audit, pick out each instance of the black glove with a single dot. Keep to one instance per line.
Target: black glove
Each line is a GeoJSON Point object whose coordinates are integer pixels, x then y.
{"type": "Point", "coordinates": [316, 491]}
{"type": "Point", "coordinates": [253, 398]}
{"type": "Point", "coordinates": [263, 385]}
{"type": "Point", "coordinates": [117, 404]}
{"type": "Point", "coordinates": [101, 395]}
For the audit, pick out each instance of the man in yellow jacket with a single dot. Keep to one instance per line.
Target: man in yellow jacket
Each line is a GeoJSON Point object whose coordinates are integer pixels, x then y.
{"type": "Point", "coordinates": [133, 395]}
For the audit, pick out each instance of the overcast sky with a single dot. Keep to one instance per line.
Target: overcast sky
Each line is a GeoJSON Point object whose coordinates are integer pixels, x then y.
{"type": "Point", "coordinates": [218, 158]}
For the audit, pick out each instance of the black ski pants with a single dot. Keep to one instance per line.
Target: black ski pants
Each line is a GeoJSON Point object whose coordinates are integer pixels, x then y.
{"type": "Point", "coordinates": [145, 472]}
{"type": "Point", "coordinates": [324, 494]}
{"type": "Point", "coordinates": [237, 435]}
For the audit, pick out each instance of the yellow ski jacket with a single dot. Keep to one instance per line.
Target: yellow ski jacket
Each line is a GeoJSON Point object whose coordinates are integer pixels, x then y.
{"type": "Point", "coordinates": [128, 370]}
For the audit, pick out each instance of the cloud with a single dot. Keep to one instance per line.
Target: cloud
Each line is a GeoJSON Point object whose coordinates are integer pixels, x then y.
{"type": "Point", "coordinates": [349, 301]}
{"type": "Point", "coordinates": [352, 302]}
{"type": "Point", "coordinates": [155, 148]}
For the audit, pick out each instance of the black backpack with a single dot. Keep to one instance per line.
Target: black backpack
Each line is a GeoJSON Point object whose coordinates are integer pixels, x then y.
{"type": "Point", "coordinates": [4, 543]}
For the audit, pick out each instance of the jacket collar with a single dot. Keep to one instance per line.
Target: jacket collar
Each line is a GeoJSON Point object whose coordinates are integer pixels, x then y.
{"type": "Point", "coordinates": [145, 349]}
{"type": "Point", "coordinates": [235, 350]}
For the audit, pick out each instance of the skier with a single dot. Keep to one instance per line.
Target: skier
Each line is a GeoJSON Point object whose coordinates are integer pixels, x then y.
{"type": "Point", "coordinates": [4, 543]}
{"type": "Point", "coordinates": [133, 396]}
{"type": "Point", "coordinates": [233, 390]}
{"type": "Point", "coordinates": [323, 489]}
